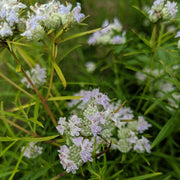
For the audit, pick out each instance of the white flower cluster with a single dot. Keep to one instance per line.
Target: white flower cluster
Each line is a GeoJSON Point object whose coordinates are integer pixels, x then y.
{"type": "Point", "coordinates": [37, 76]}
{"type": "Point", "coordinates": [109, 34]}
{"type": "Point", "coordinates": [94, 122]}
{"type": "Point", "coordinates": [9, 17]}
{"type": "Point", "coordinates": [32, 151]}
{"type": "Point", "coordinates": [162, 86]}
{"type": "Point", "coordinates": [162, 9]}
{"type": "Point", "coordinates": [48, 16]}
{"type": "Point", "coordinates": [90, 66]}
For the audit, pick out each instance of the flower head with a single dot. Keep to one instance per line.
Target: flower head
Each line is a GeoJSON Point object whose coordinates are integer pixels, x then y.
{"type": "Point", "coordinates": [111, 33]}
{"type": "Point", "coordinates": [53, 15]}
{"type": "Point", "coordinates": [37, 76]}
{"type": "Point", "coordinates": [162, 9]}
{"type": "Point", "coordinates": [32, 151]}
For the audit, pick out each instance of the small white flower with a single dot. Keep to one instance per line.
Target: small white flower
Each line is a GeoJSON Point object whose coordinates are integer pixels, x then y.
{"type": "Point", "coordinates": [37, 76]}
{"type": "Point", "coordinates": [32, 151]}
{"type": "Point", "coordinates": [142, 124]}
{"type": "Point", "coordinates": [142, 145]}
{"type": "Point", "coordinates": [109, 34]}
{"type": "Point", "coordinates": [90, 66]}
{"type": "Point", "coordinates": [5, 30]}
{"type": "Point", "coordinates": [178, 34]}
{"type": "Point", "coordinates": [61, 125]}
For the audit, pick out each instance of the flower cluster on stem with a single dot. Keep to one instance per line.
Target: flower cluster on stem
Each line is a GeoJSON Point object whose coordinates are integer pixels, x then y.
{"type": "Point", "coordinates": [52, 15]}
{"type": "Point", "coordinates": [162, 9]}
{"type": "Point", "coordinates": [111, 33]}
{"type": "Point", "coordinates": [9, 17]}
{"type": "Point", "coordinates": [37, 76]}
{"type": "Point", "coordinates": [96, 122]}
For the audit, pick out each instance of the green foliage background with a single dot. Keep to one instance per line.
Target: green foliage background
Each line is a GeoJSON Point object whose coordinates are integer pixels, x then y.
{"type": "Point", "coordinates": [114, 75]}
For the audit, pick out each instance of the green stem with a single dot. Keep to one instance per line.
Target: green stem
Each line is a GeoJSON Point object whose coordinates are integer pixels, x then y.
{"type": "Point", "coordinates": [54, 54]}
{"type": "Point", "coordinates": [116, 75]}
{"type": "Point", "coordinates": [43, 101]}
{"type": "Point", "coordinates": [153, 50]}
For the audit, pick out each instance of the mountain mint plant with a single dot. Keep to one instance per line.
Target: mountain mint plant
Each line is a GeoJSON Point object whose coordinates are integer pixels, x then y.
{"type": "Point", "coordinates": [88, 132]}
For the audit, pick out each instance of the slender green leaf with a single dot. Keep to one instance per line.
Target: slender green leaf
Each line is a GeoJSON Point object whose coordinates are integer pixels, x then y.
{"type": "Point", "coordinates": [164, 132]}
{"type": "Point", "coordinates": [7, 148]}
{"type": "Point", "coordinates": [146, 41]}
{"type": "Point", "coordinates": [2, 112]}
{"type": "Point", "coordinates": [116, 174]}
{"type": "Point", "coordinates": [5, 174]}
{"type": "Point", "coordinates": [18, 68]}
{"type": "Point", "coordinates": [157, 101]}
{"type": "Point", "coordinates": [176, 82]}
{"type": "Point", "coordinates": [66, 53]}
{"type": "Point", "coordinates": [18, 163]}
{"type": "Point", "coordinates": [60, 74]}
{"type": "Point", "coordinates": [136, 52]}
{"type": "Point", "coordinates": [147, 176]}
{"type": "Point", "coordinates": [20, 44]}
{"type": "Point", "coordinates": [80, 34]}
{"type": "Point", "coordinates": [25, 56]}
{"type": "Point", "coordinates": [3, 139]}
{"type": "Point", "coordinates": [62, 98]}
{"type": "Point", "coordinates": [36, 122]}
{"type": "Point", "coordinates": [142, 12]}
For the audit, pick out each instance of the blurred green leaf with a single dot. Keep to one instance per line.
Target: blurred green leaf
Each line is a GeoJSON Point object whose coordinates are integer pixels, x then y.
{"type": "Point", "coordinates": [167, 128]}
{"type": "Point", "coordinates": [80, 34]}
{"type": "Point", "coordinates": [147, 176]}
{"type": "Point", "coordinates": [3, 139]}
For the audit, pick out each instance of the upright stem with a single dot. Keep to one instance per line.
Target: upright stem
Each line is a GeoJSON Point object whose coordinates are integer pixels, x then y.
{"type": "Point", "coordinates": [43, 101]}
{"type": "Point", "coordinates": [153, 48]}
{"type": "Point", "coordinates": [54, 54]}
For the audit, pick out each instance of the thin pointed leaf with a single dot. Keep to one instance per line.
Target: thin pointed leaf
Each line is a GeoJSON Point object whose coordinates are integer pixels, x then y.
{"type": "Point", "coordinates": [62, 98]}
{"type": "Point", "coordinates": [147, 176]}
{"type": "Point", "coordinates": [7, 148]}
{"type": "Point", "coordinates": [4, 139]}
{"type": "Point", "coordinates": [81, 34]}
{"type": "Point", "coordinates": [146, 41]}
{"type": "Point", "coordinates": [176, 82]}
{"type": "Point", "coordinates": [66, 53]}
{"type": "Point", "coordinates": [18, 68]}
{"type": "Point", "coordinates": [25, 56]}
{"type": "Point", "coordinates": [60, 74]}
{"type": "Point", "coordinates": [18, 163]}
{"type": "Point", "coordinates": [142, 12]}
{"type": "Point", "coordinates": [164, 132]}
{"type": "Point", "coordinates": [36, 122]}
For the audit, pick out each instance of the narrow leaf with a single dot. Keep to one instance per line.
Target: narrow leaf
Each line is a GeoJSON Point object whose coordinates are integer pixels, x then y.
{"type": "Point", "coordinates": [36, 122]}
{"type": "Point", "coordinates": [62, 98]}
{"type": "Point", "coordinates": [60, 74]}
{"type": "Point", "coordinates": [147, 176]}
{"type": "Point", "coordinates": [176, 82]}
{"type": "Point", "coordinates": [164, 132]}
{"type": "Point", "coordinates": [66, 53]}
{"type": "Point", "coordinates": [142, 12]}
{"type": "Point", "coordinates": [3, 139]}
{"type": "Point", "coordinates": [25, 56]}
{"type": "Point", "coordinates": [146, 41]}
{"type": "Point", "coordinates": [18, 68]}
{"type": "Point", "coordinates": [81, 34]}
{"type": "Point", "coordinates": [7, 148]}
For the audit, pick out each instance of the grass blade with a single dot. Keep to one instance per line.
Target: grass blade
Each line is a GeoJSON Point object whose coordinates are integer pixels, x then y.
{"type": "Point", "coordinates": [164, 132]}
{"type": "Point", "coordinates": [147, 176]}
